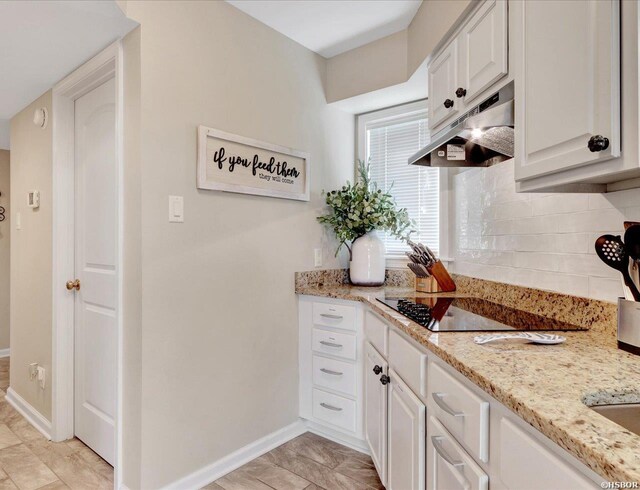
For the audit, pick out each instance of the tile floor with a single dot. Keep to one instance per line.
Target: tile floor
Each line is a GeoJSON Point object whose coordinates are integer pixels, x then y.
{"type": "Point", "coordinates": [29, 461]}
{"type": "Point", "coordinates": [307, 462]}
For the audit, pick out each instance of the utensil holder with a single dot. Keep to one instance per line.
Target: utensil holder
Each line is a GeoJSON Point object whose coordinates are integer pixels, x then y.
{"type": "Point", "coordinates": [427, 285]}
{"type": "Point", "coordinates": [629, 326]}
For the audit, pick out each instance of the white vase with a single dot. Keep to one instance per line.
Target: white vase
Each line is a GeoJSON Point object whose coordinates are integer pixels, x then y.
{"type": "Point", "coordinates": [367, 266]}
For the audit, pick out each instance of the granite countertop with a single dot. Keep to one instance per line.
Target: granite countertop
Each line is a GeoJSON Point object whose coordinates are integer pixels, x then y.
{"type": "Point", "coordinates": [547, 386]}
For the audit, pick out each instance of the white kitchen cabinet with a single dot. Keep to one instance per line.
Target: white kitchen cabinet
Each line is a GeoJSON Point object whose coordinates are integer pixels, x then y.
{"type": "Point", "coordinates": [567, 98]}
{"type": "Point", "coordinates": [331, 356]}
{"type": "Point", "coordinates": [406, 449]}
{"type": "Point", "coordinates": [375, 409]}
{"type": "Point", "coordinates": [443, 81]}
{"type": "Point", "coordinates": [474, 59]}
{"type": "Point", "coordinates": [483, 50]}
{"type": "Point", "coordinates": [450, 467]}
{"type": "Point", "coordinates": [526, 464]}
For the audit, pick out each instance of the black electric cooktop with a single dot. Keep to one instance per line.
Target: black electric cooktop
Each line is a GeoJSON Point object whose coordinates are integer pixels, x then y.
{"type": "Point", "coordinates": [441, 314]}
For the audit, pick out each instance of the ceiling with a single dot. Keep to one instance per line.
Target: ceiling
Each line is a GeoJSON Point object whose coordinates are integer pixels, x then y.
{"type": "Point", "coordinates": [331, 27]}
{"type": "Point", "coordinates": [43, 41]}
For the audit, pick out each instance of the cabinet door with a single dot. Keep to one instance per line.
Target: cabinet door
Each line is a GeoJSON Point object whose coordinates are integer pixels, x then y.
{"type": "Point", "coordinates": [568, 86]}
{"type": "Point", "coordinates": [483, 49]}
{"type": "Point", "coordinates": [525, 464]}
{"type": "Point", "coordinates": [443, 81]}
{"type": "Point", "coordinates": [406, 437]}
{"type": "Point", "coordinates": [375, 409]}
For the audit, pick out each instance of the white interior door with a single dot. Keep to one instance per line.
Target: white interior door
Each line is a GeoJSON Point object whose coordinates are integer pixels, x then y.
{"type": "Point", "coordinates": [96, 269]}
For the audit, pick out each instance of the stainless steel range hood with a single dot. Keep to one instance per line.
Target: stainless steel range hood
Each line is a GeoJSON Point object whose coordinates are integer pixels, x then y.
{"type": "Point", "coordinates": [481, 137]}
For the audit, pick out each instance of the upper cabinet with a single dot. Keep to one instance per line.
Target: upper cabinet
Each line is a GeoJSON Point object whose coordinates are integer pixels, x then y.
{"type": "Point", "coordinates": [469, 64]}
{"type": "Point", "coordinates": [483, 50]}
{"type": "Point", "coordinates": [567, 87]}
{"type": "Point", "coordinates": [443, 80]}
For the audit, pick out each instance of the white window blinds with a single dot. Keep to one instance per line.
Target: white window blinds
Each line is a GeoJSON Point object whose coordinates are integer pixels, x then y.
{"type": "Point", "coordinates": [389, 144]}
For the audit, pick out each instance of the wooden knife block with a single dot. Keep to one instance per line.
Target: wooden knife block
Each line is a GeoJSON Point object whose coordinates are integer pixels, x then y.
{"type": "Point", "coordinates": [427, 285]}
{"type": "Point", "coordinates": [438, 281]}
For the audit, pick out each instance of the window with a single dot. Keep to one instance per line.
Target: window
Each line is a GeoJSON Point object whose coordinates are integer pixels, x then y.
{"type": "Point", "coordinates": [386, 140]}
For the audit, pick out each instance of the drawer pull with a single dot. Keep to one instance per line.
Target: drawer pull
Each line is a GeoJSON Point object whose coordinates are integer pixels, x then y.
{"type": "Point", "coordinates": [435, 440]}
{"type": "Point", "coordinates": [329, 315]}
{"type": "Point", "coordinates": [330, 407]}
{"type": "Point", "coordinates": [437, 397]}
{"type": "Point", "coordinates": [332, 373]}
{"type": "Point", "coordinates": [331, 344]}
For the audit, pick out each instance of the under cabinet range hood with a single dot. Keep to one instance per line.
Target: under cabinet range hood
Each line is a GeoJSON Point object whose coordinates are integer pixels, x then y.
{"type": "Point", "coordinates": [481, 137]}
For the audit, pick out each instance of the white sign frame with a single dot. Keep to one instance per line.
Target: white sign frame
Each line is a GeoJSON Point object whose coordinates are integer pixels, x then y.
{"type": "Point", "coordinates": [203, 183]}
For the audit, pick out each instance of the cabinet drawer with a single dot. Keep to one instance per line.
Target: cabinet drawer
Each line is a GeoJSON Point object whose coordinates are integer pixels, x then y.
{"type": "Point", "coordinates": [409, 362]}
{"type": "Point", "coordinates": [337, 316]}
{"type": "Point", "coordinates": [334, 375]}
{"type": "Point", "coordinates": [334, 343]}
{"type": "Point", "coordinates": [376, 332]}
{"type": "Point", "coordinates": [527, 465]}
{"type": "Point", "coordinates": [461, 411]}
{"type": "Point", "coordinates": [449, 466]}
{"type": "Point", "coordinates": [334, 409]}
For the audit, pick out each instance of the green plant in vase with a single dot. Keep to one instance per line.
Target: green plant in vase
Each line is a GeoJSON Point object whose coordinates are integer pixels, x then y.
{"type": "Point", "coordinates": [356, 212]}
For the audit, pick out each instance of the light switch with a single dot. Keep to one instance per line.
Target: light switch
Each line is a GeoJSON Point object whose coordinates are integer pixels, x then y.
{"type": "Point", "coordinates": [176, 209]}
{"type": "Point", "coordinates": [317, 257]}
{"type": "Point", "coordinates": [18, 221]}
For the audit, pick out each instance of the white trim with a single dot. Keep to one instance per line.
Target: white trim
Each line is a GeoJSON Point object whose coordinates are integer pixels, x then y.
{"type": "Point", "coordinates": [5, 353]}
{"type": "Point", "coordinates": [106, 65]}
{"type": "Point", "coordinates": [25, 409]}
{"type": "Point", "coordinates": [354, 443]}
{"type": "Point", "coordinates": [218, 469]}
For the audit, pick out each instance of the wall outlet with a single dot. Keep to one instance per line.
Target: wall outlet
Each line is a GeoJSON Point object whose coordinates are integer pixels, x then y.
{"type": "Point", "coordinates": [33, 370]}
{"type": "Point", "coordinates": [42, 377]}
{"type": "Point", "coordinates": [317, 257]}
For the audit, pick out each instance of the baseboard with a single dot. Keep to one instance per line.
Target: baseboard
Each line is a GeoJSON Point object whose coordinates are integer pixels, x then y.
{"type": "Point", "coordinates": [25, 409]}
{"type": "Point", "coordinates": [218, 469]}
{"type": "Point", "coordinates": [4, 352]}
{"type": "Point", "coordinates": [337, 436]}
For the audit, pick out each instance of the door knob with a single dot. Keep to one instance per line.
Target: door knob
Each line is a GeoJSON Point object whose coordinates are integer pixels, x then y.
{"type": "Point", "coordinates": [461, 92]}
{"type": "Point", "coordinates": [377, 369]}
{"type": "Point", "coordinates": [448, 103]}
{"type": "Point", "coordinates": [73, 285]}
{"type": "Point", "coordinates": [598, 143]}
{"type": "Point", "coordinates": [384, 379]}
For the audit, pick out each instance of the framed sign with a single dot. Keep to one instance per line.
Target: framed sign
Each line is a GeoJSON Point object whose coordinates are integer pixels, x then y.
{"type": "Point", "coordinates": [231, 163]}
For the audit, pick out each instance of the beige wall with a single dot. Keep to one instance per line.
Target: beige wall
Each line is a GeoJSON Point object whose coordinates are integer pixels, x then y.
{"type": "Point", "coordinates": [31, 257]}
{"type": "Point", "coordinates": [219, 317]}
{"type": "Point", "coordinates": [376, 65]}
{"type": "Point", "coordinates": [430, 26]}
{"type": "Point", "coordinates": [392, 60]}
{"type": "Point", "coordinates": [5, 234]}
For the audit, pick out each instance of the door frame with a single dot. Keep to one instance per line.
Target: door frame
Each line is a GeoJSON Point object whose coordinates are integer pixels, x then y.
{"type": "Point", "coordinates": [104, 66]}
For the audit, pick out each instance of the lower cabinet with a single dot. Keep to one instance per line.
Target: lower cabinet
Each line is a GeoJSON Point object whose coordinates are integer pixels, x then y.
{"type": "Point", "coordinates": [407, 432]}
{"type": "Point", "coordinates": [449, 466]}
{"type": "Point", "coordinates": [375, 409]}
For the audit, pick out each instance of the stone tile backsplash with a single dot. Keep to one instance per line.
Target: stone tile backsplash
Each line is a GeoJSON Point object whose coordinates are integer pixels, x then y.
{"type": "Point", "coordinates": [543, 241]}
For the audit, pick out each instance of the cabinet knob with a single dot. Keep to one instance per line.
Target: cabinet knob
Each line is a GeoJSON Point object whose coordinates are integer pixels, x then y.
{"type": "Point", "coordinates": [448, 103]}
{"type": "Point", "coordinates": [377, 369]}
{"type": "Point", "coordinates": [384, 379]}
{"type": "Point", "coordinates": [598, 143]}
{"type": "Point", "coordinates": [461, 92]}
